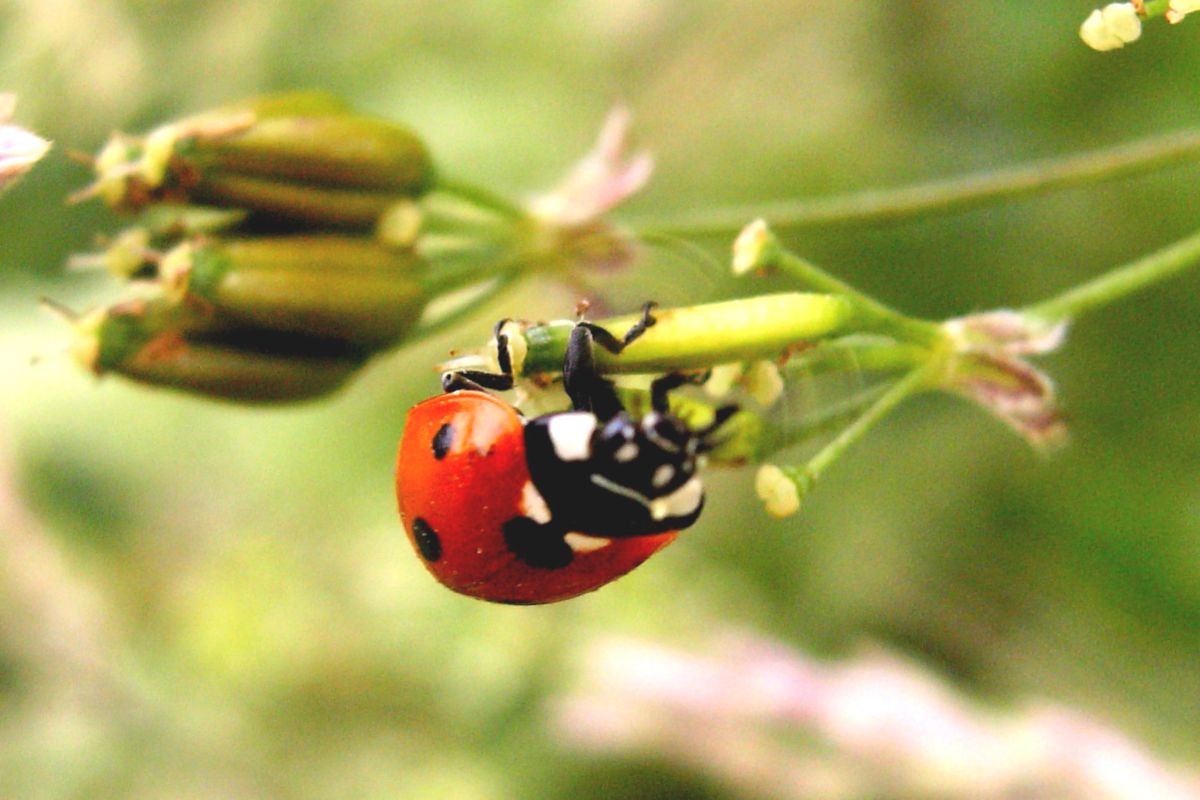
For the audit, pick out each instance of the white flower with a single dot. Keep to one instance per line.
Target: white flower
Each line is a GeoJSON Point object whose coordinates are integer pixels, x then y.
{"type": "Point", "coordinates": [764, 383]}
{"type": "Point", "coordinates": [778, 493]}
{"type": "Point", "coordinates": [1181, 8]}
{"type": "Point", "coordinates": [1112, 27]}
{"type": "Point", "coordinates": [19, 149]}
{"type": "Point", "coordinates": [602, 179]}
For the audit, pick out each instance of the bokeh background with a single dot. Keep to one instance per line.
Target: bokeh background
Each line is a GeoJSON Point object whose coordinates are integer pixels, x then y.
{"type": "Point", "coordinates": [201, 600]}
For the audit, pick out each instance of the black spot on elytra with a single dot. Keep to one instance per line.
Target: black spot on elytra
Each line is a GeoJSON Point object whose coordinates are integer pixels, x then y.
{"type": "Point", "coordinates": [428, 543]}
{"type": "Point", "coordinates": [535, 545]}
{"type": "Point", "coordinates": [442, 441]}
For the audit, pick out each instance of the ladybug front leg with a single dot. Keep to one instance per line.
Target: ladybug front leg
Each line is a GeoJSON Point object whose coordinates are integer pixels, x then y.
{"type": "Point", "coordinates": [477, 379]}
{"type": "Point", "coordinates": [588, 390]}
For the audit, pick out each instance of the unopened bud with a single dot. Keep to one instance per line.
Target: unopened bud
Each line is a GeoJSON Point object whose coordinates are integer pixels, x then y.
{"type": "Point", "coordinates": [339, 287]}
{"type": "Point", "coordinates": [764, 383]}
{"type": "Point", "coordinates": [1111, 27]}
{"type": "Point", "coordinates": [1179, 9]}
{"type": "Point", "coordinates": [722, 378]}
{"type": "Point", "coordinates": [161, 343]}
{"type": "Point", "coordinates": [755, 249]}
{"type": "Point", "coordinates": [778, 491]}
{"type": "Point", "coordinates": [299, 157]}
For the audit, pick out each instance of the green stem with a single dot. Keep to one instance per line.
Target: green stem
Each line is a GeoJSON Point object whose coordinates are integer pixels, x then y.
{"type": "Point", "coordinates": [1155, 8]}
{"type": "Point", "coordinates": [856, 354]}
{"type": "Point", "coordinates": [834, 417]}
{"type": "Point", "coordinates": [1134, 276]}
{"type": "Point", "coordinates": [912, 383]}
{"type": "Point", "coordinates": [696, 337]}
{"type": "Point", "coordinates": [484, 198]}
{"type": "Point", "coordinates": [433, 320]}
{"type": "Point", "coordinates": [941, 196]}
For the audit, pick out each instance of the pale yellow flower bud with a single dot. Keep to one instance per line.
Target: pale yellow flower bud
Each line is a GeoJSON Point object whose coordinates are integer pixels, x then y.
{"type": "Point", "coordinates": [723, 376]}
{"type": "Point", "coordinates": [1180, 9]}
{"type": "Point", "coordinates": [779, 494]}
{"type": "Point", "coordinates": [754, 248]}
{"type": "Point", "coordinates": [1111, 27]}
{"type": "Point", "coordinates": [764, 383]}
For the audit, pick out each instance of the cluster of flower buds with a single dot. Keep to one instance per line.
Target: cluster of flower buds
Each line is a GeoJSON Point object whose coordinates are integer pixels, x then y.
{"type": "Point", "coordinates": [278, 244]}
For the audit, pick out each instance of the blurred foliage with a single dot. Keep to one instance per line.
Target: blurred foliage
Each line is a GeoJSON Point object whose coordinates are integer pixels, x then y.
{"type": "Point", "coordinates": [202, 600]}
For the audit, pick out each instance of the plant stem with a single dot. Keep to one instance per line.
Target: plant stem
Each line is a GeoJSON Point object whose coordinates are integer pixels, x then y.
{"type": "Point", "coordinates": [833, 417]}
{"type": "Point", "coordinates": [856, 354]}
{"type": "Point", "coordinates": [1134, 276]}
{"type": "Point", "coordinates": [912, 383]}
{"type": "Point", "coordinates": [481, 197]}
{"type": "Point", "coordinates": [940, 196]}
{"type": "Point", "coordinates": [696, 337]}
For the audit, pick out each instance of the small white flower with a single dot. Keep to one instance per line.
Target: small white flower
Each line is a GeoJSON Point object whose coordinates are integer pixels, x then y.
{"type": "Point", "coordinates": [748, 247]}
{"type": "Point", "coordinates": [778, 493]}
{"type": "Point", "coordinates": [1112, 27]}
{"type": "Point", "coordinates": [764, 383]}
{"type": "Point", "coordinates": [19, 149]}
{"type": "Point", "coordinates": [720, 381]}
{"type": "Point", "coordinates": [1181, 8]}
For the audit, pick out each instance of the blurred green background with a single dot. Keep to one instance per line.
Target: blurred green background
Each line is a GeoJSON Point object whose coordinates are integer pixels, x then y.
{"type": "Point", "coordinates": [201, 600]}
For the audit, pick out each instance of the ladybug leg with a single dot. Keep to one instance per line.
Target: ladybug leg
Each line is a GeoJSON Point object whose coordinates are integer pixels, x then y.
{"type": "Point", "coordinates": [664, 384]}
{"type": "Point", "coordinates": [588, 390]}
{"type": "Point", "coordinates": [612, 344]}
{"type": "Point", "coordinates": [475, 379]}
{"type": "Point", "coordinates": [479, 380]}
{"type": "Point", "coordinates": [721, 416]}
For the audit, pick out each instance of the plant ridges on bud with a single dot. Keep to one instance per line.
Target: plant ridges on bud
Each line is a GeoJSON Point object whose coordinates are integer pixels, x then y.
{"type": "Point", "coordinates": [351, 209]}
{"type": "Point", "coordinates": [163, 343]}
{"type": "Point", "coordinates": [338, 151]}
{"type": "Point", "coordinates": [302, 157]}
{"type": "Point", "coordinates": [323, 285]}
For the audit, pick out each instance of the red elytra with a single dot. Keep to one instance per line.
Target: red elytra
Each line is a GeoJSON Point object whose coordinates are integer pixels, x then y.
{"type": "Point", "coordinates": [460, 475]}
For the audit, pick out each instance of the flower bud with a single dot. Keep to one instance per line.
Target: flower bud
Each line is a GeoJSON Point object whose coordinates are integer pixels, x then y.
{"type": "Point", "coordinates": [163, 343]}
{"type": "Point", "coordinates": [755, 249]}
{"type": "Point", "coordinates": [764, 383]}
{"type": "Point", "coordinates": [299, 157]}
{"type": "Point", "coordinates": [1111, 27]}
{"type": "Point", "coordinates": [778, 490]}
{"type": "Point", "coordinates": [338, 287]}
{"type": "Point", "coordinates": [1178, 9]}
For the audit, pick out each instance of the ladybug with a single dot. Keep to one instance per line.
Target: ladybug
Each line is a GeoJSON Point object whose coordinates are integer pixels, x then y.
{"type": "Point", "coordinates": [525, 511]}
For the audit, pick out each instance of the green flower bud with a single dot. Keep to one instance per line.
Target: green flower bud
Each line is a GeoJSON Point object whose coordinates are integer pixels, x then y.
{"type": "Point", "coordinates": [337, 151]}
{"type": "Point", "coordinates": [162, 343]}
{"type": "Point", "coordinates": [302, 157]}
{"type": "Point", "coordinates": [297, 203]}
{"type": "Point", "coordinates": [336, 287]}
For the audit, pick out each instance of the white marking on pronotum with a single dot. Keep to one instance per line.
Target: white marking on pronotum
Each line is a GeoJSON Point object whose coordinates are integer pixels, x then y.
{"type": "Point", "coordinates": [571, 435]}
{"type": "Point", "coordinates": [662, 476]}
{"type": "Point", "coordinates": [679, 503]}
{"type": "Point", "coordinates": [533, 505]}
{"type": "Point", "coordinates": [582, 543]}
{"type": "Point", "coordinates": [626, 452]}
